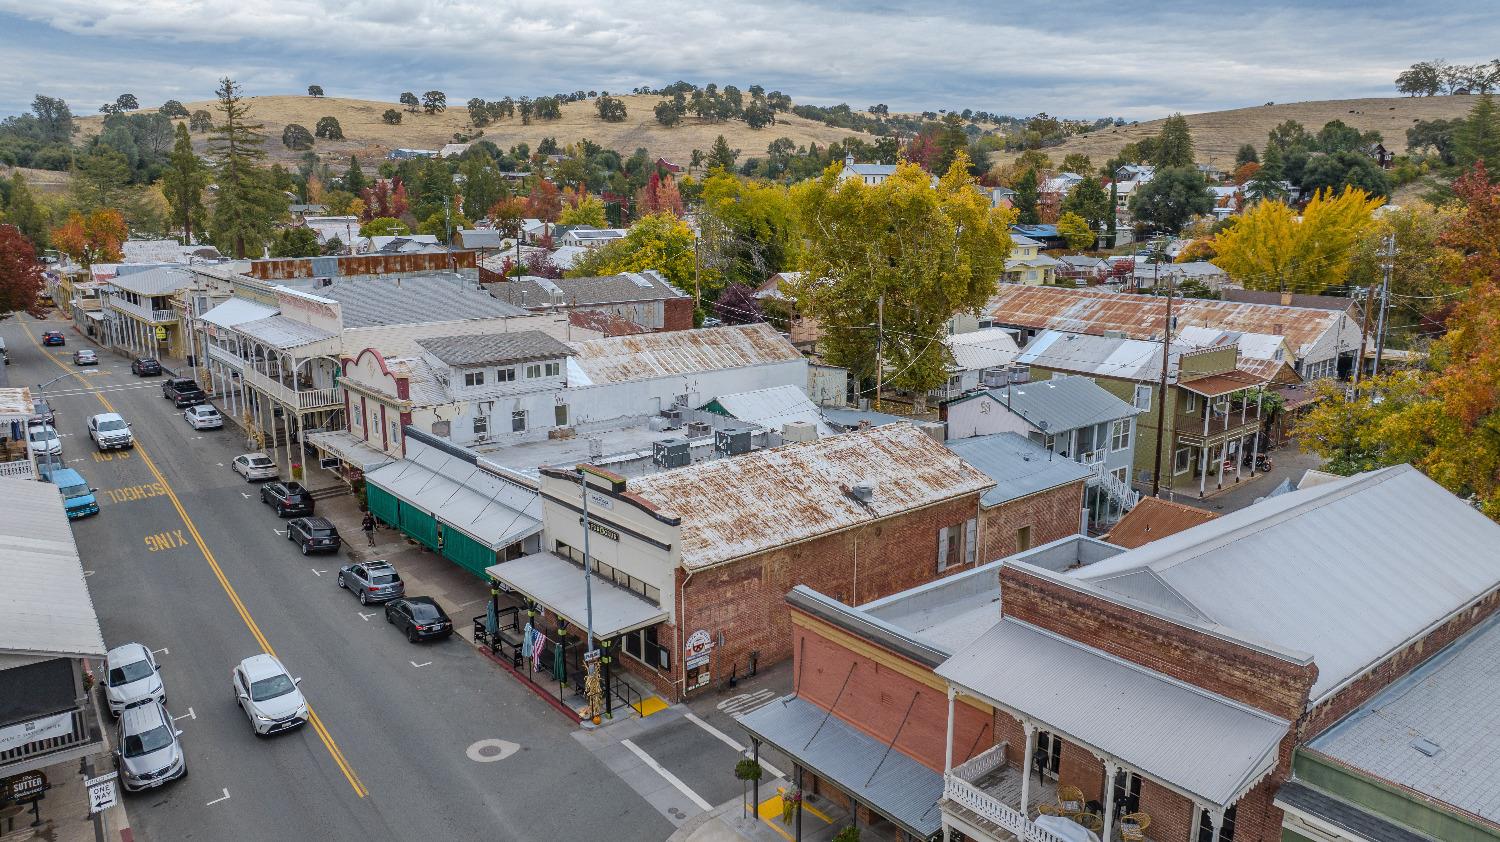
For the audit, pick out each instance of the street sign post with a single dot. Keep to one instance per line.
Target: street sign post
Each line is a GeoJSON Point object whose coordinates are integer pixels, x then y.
{"type": "Point", "coordinates": [102, 792]}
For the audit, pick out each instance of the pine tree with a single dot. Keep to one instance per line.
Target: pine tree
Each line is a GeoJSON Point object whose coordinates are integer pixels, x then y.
{"type": "Point", "coordinates": [1174, 147]}
{"type": "Point", "coordinates": [354, 178]}
{"type": "Point", "coordinates": [1026, 198]}
{"type": "Point", "coordinates": [248, 205]}
{"type": "Point", "coordinates": [721, 155]}
{"type": "Point", "coordinates": [183, 183]}
{"type": "Point", "coordinates": [1266, 185]}
{"type": "Point", "coordinates": [23, 212]}
{"type": "Point", "coordinates": [1477, 137]}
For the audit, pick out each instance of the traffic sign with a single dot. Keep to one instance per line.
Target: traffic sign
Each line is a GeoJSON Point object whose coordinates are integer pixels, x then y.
{"type": "Point", "coordinates": [102, 792]}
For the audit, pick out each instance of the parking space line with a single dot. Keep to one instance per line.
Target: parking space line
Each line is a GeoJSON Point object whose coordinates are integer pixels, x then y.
{"type": "Point", "coordinates": [217, 800]}
{"type": "Point", "coordinates": [188, 715]}
{"type": "Point", "coordinates": [729, 741]}
{"type": "Point", "coordinates": [668, 776]}
{"type": "Point", "coordinates": [234, 598]}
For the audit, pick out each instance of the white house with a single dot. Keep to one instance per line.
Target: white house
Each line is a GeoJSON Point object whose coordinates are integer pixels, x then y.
{"type": "Point", "coordinates": [980, 358]}
{"type": "Point", "coordinates": [871, 174]}
{"type": "Point", "coordinates": [588, 237]}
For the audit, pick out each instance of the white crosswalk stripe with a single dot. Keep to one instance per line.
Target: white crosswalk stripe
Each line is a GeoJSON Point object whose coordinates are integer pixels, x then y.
{"type": "Point", "coordinates": [746, 702]}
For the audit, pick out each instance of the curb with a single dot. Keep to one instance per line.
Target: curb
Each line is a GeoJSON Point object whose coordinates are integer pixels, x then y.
{"type": "Point", "coordinates": [556, 704]}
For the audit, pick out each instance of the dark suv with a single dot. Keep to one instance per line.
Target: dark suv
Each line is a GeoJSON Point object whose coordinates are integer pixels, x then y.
{"type": "Point", "coordinates": [145, 367]}
{"type": "Point", "coordinates": [183, 392]}
{"type": "Point", "coordinates": [289, 499]}
{"type": "Point", "coordinates": [314, 535]}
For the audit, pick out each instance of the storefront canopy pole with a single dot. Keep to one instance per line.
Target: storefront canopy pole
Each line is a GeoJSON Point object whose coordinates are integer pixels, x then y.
{"type": "Point", "coordinates": [588, 563]}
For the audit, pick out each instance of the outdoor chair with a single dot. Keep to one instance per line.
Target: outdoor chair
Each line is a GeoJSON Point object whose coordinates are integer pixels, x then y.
{"type": "Point", "coordinates": [1133, 827]}
{"type": "Point", "coordinates": [1070, 801]}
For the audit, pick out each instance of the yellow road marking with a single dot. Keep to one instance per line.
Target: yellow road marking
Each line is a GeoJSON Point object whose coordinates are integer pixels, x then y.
{"type": "Point", "coordinates": [135, 492]}
{"type": "Point", "coordinates": [234, 598]}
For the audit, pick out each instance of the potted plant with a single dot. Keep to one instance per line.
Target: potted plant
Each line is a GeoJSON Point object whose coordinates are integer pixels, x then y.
{"type": "Point", "coordinates": [848, 834]}
{"type": "Point", "coordinates": [748, 770]}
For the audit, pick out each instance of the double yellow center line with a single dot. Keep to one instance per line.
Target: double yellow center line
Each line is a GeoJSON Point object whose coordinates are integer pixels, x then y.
{"type": "Point", "coordinates": [213, 563]}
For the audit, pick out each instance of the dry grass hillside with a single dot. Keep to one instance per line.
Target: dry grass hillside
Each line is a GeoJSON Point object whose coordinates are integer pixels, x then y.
{"type": "Point", "coordinates": [1217, 135]}
{"type": "Point", "coordinates": [370, 139]}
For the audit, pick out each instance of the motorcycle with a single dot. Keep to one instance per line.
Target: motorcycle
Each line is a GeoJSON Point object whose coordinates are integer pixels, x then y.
{"type": "Point", "coordinates": [1262, 462]}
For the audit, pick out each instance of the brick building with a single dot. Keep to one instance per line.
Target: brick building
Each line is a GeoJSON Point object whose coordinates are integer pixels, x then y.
{"type": "Point", "coordinates": [705, 553]}
{"type": "Point", "coordinates": [1037, 498]}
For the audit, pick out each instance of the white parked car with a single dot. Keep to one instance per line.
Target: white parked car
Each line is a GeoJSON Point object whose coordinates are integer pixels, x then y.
{"type": "Point", "coordinates": [255, 466]}
{"type": "Point", "coordinates": [268, 695]}
{"type": "Point", "coordinates": [109, 431]}
{"type": "Point", "coordinates": [131, 677]}
{"type": "Point", "coordinates": [203, 417]}
{"type": "Point", "coordinates": [43, 441]}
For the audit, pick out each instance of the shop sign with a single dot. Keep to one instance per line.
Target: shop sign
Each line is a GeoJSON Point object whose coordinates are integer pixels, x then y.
{"type": "Point", "coordinates": [27, 786]}
{"type": "Point", "coordinates": [697, 650]}
{"type": "Point", "coordinates": [603, 530]}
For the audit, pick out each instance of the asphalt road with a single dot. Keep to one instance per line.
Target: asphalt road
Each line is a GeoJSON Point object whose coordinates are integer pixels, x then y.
{"type": "Point", "coordinates": [185, 559]}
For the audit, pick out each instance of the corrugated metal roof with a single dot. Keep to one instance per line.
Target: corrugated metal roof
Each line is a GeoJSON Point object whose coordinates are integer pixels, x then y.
{"type": "Point", "coordinates": [769, 498]}
{"type": "Point", "coordinates": [1153, 723]}
{"type": "Point", "coordinates": [891, 783]}
{"type": "Point", "coordinates": [1017, 465]}
{"type": "Point", "coordinates": [495, 511]}
{"type": "Point", "coordinates": [1359, 822]}
{"type": "Point", "coordinates": [283, 332]}
{"type": "Point", "coordinates": [1154, 518]}
{"type": "Point", "coordinates": [1260, 346]}
{"type": "Point", "coordinates": [372, 302]}
{"type": "Point", "coordinates": [423, 388]}
{"type": "Point", "coordinates": [1103, 356]}
{"type": "Point", "coordinates": [1347, 571]}
{"type": "Point", "coordinates": [1141, 316]}
{"type": "Point", "coordinates": [237, 311]}
{"type": "Point", "coordinates": [45, 607]}
{"type": "Point", "coordinates": [1449, 701]}
{"type": "Point", "coordinates": [1064, 403]}
{"type": "Point", "coordinates": [356, 452]}
{"type": "Point", "coordinates": [774, 407]}
{"type": "Point", "coordinates": [620, 359]}
{"type": "Point", "coordinates": [161, 281]}
{"type": "Point", "coordinates": [495, 348]}
{"type": "Point", "coordinates": [1214, 385]}
{"type": "Point", "coordinates": [557, 584]}
{"type": "Point", "coordinates": [15, 402]}
{"type": "Point", "coordinates": [626, 287]}
{"type": "Point", "coordinates": [990, 347]}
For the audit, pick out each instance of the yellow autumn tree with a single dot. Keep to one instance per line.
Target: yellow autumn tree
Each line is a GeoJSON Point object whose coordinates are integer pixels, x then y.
{"type": "Point", "coordinates": [1271, 248]}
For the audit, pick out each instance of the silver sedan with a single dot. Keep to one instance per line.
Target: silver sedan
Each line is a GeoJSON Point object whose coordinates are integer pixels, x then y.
{"type": "Point", "coordinates": [254, 467]}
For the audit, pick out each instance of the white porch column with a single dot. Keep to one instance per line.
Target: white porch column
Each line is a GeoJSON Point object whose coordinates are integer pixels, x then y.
{"type": "Point", "coordinates": [1216, 818]}
{"type": "Point", "coordinates": [1203, 469]}
{"type": "Point", "coordinates": [948, 747]}
{"type": "Point", "coordinates": [1223, 455]}
{"type": "Point", "coordinates": [1030, 729]}
{"type": "Point", "coordinates": [1111, 769]}
{"type": "Point", "coordinates": [1239, 458]}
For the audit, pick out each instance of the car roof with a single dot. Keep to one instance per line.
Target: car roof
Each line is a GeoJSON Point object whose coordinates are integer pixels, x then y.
{"type": "Point", "coordinates": [145, 359]}
{"type": "Point", "coordinates": [125, 653]}
{"type": "Point", "coordinates": [423, 600]}
{"type": "Point", "coordinates": [375, 564]}
{"type": "Point", "coordinates": [202, 407]}
{"type": "Point", "coordinates": [316, 522]}
{"type": "Point", "coordinates": [109, 416]}
{"type": "Point", "coordinates": [261, 666]}
{"type": "Point", "coordinates": [253, 455]}
{"type": "Point", "coordinates": [142, 718]}
{"type": "Point", "coordinates": [291, 485]}
{"type": "Point", "coordinates": [64, 476]}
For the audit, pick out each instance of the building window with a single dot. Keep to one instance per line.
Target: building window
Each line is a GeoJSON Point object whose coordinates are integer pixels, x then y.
{"type": "Point", "coordinates": [1181, 460]}
{"type": "Point", "coordinates": [553, 369]}
{"type": "Point", "coordinates": [481, 425]}
{"type": "Point", "coordinates": [1023, 539]}
{"type": "Point", "coordinates": [1143, 397]}
{"type": "Point", "coordinates": [1119, 434]}
{"type": "Point", "coordinates": [518, 421]}
{"type": "Point", "coordinates": [560, 413]}
{"type": "Point", "coordinates": [505, 375]}
{"type": "Point", "coordinates": [474, 378]}
{"type": "Point", "coordinates": [1226, 827]}
{"type": "Point", "coordinates": [1191, 403]}
{"type": "Point", "coordinates": [534, 370]}
{"type": "Point", "coordinates": [957, 545]}
{"type": "Point", "coordinates": [1127, 792]}
{"type": "Point", "coordinates": [395, 432]}
{"type": "Point", "coordinates": [1048, 754]}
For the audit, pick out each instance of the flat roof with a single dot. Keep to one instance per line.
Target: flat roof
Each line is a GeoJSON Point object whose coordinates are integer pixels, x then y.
{"type": "Point", "coordinates": [1018, 465]}
{"type": "Point", "coordinates": [45, 606]}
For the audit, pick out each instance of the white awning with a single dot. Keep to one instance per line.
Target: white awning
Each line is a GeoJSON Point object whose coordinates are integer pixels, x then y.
{"type": "Point", "coordinates": [488, 508]}
{"type": "Point", "coordinates": [557, 585]}
{"type": "Point", "coordinates": [237, 311]}
{"type": "Point", "coordinates": [345, 446]}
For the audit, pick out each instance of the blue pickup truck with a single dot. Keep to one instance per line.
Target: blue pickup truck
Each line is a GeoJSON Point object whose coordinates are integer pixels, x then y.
{"type": "Point", "coordinates": [78, 498]}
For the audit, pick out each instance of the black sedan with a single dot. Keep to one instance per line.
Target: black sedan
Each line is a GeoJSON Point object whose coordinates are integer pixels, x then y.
{"type": "Point", "coordinates": [420, 616]}
{"type": "Point", "coordinates": [145, 367]}
{"type": "Point", "coordinates": [313, 535]}
{"type": "Point", "coordinates": [289, 499]}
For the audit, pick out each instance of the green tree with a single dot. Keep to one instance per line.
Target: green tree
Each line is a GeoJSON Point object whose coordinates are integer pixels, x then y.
{"type": "Point", "coordinates": [1172, 197]}
{"type": "Point", "coordinates": [1477, 138]}
{"type": "Point", "coordinates": [299, 241]}
{"type": "Point", "coordinates": [748, 231]}
{"type": "Point", "coordinates": [411, 102]}
{"type": "Point", "coordinates": [1174, 144]}
{"type": "Point", "coordinates": [201, 121]}
{"type": "Point", "coordinates": [101, 179]}
{"type": "Point", "coordinates": [296, 136]}
{"type": "Point", "coordinates": [721, 156]}
{"type": "Point", "coordinates": [1027, 196]}
{"type": "Point", "coordinates": [950, 141]}
{"type": "Point", "coordinates": [922, 254]}
{"type": "Point", "coordinates": [314, 90]}
{"type": "Point", "coordinates": [660, 241]}
{"type": "Point", "coordinates": [174, 110]}
{"type": "Point", "coordinates": [434, 102]}
{"type": "Point", "coordinates": [1077, 162]}
{"type": "Point", "coordinates": [441, 224]}
{"type": "Point", "coordinates": [53, 118]}
{"type": "Point", "coordinates": [354, 177]}
{"type": "Point", "coordinates": [1266, 184]}
{"type": "Point", "coordinates": [482, 187]}
{"type": "Point", "coordinates": [328, 128]}
{"type": "Point", "coordinates": [589, 211]}
{"type": "Point", "coordinates": [23, 211]}
{"type": "Point", "coordinates": [248, 205]}
{"type": "Point", "coordinates": [668, 113]}
{"type": "Point", "coordinates": [383, 226]}
{"type": "Point", "coordinates": [1088, 200]}
{"type": "Point", "coordinates": [391, 117]}
{"type": "Point", "coordinates": [183, 183]}
{"type": "Point", "coordinates": [1246, 155]}
{"type": "Point", "coordinates": [1344, 169]}
{"type": "Point", "coordinates": [611, 109]}
{"type": "Point", "coordinates": [1075, 229]}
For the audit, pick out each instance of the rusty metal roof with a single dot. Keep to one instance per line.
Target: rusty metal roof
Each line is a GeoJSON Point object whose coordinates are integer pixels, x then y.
{"type": "Point", "coordinates": [1141, 316]}
{"type": "Point", "coordinates": [746, 504]}
{"type": "Point", "coordinates": [1214, 385]}
{"type": "Point", "coordinates": [1154, 518]}
{"type": "Point", "coordinates": [621, 359]}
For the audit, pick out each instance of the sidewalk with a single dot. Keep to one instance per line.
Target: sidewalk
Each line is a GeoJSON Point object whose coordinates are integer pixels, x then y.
{"type": "Point", "coordinates": [821, 821]}
{"type": "Point", "coordinates": [65, 809]}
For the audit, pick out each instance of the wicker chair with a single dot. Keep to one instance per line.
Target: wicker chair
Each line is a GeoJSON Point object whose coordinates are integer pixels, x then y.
{"type": "Point", "coordinates": [1070, 801]}
{"type": "Point", "coordinates": [1133, 827]}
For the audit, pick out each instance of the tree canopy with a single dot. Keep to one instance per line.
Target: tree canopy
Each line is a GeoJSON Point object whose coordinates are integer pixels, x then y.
{"type": "Point", "coordinates": [248, 204]}
{"type": "Point", "coordinates": [21, 281]}
{"type": "Point", "coordinates": [660, 241]}
{"type": "Point", "coordinates": [1270, 249]}
{"type": "Point", "coordinates": [1171, 198]}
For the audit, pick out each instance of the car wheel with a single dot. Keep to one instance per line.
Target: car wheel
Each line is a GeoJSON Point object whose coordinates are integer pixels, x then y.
{"type": "Point", "coordinates": [364, 599]}
{"type": "Point", "coordinates": [411, 635]}
{"type": "Point", "coordinates": [340, 581]}
{"type": "Point", "coordinates": [304, 549]}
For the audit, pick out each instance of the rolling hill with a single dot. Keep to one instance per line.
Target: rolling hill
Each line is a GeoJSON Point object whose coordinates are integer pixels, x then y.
{"type": "Point", "coordinates": [370, 139]}
{"type": "Point", "coordinates": [1217, 135]}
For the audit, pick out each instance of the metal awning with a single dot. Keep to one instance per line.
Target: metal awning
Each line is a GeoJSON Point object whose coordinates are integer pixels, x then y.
{"type": "Point", "coordinates": [491, 510]}
{"type": "Point", "coordinates": [1216, 385]}
{"type": "Point", "coordinates": [351, 450]}
{"type": "Point", "coordinates": [94, 315]}
{"type": "Point", "coordinates": [887, 781]}
{"type": "Point", "coordinates": [557, 584]}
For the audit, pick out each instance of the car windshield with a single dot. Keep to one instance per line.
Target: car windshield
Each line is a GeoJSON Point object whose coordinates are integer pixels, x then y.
{"type": "Point", "coordinates": [112, 425]}
{"type": "Point", "coordinates": [156, 739]}
{"type": "Point", "coordinates": [74, 490]}
{"type": "Point", "coordinates": [387, 579]}
{"type": "Point", "coordinates": [258, 462]}
{"type": "Point", "coordinates": [43, 434]}
{"type": "Point", "coordinates": [207, 412]}
{"type": "Point", "coordinates": [270, 688]}
{"type": "Point", "coordinates": [421, 611]}
{"type": "Point", "coordinates": [130, 672]}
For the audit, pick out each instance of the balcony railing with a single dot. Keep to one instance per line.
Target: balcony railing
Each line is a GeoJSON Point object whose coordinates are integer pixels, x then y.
{"type": "Point", "coordinates": [30, 752]}
{"type": "Point", "coordinates": [226, 356]}
{"type": "Point", "coordinates": [141, 311]}
{"type": "Point", "coordinates": [301, 399]}
{"type": "Point", "coordinates": [962, 789]}
{"type": "Point", "coordinates": [18, 468]}
{"type": "Point", "coordinates": [163, 315]}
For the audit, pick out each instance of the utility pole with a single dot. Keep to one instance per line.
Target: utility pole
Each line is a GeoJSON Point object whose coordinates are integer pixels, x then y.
{"type": "Point", "coordinates": [1364, 335]}
{"type": "Point", "coordinates": [1388, 256]}
{"type": "Point", "coordinates": [1161, 397]}
{"type": "Point", "coordinates": [879, 347]}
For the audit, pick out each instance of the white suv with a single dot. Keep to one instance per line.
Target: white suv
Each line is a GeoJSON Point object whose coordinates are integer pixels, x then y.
{"type": "Point", "coordinates": [109, 431]}
{"type": "Point", "coordinates": [268, 695]}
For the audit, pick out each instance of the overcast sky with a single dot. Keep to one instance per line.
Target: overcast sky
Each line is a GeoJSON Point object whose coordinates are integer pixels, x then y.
{"type": "Point", "coordinates": [1127, 58]}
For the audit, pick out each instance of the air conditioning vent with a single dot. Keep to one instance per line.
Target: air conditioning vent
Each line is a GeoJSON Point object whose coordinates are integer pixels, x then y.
{"type": "Point", "coordinates": [732, 442]}
{"type": "Point", "coordinates": [671, 453]}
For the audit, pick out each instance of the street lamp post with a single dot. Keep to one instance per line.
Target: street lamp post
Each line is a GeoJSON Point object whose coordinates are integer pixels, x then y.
{"type": "Point", "coordinates": [42, 391]}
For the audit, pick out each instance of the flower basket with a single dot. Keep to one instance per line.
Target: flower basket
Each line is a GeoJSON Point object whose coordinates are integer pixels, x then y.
{"type": "Point", "coordinates": [748, 770]}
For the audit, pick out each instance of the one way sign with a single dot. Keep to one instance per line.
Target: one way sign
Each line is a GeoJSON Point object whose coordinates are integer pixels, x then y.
{"type": "Point", "coordinates": [102, 793]}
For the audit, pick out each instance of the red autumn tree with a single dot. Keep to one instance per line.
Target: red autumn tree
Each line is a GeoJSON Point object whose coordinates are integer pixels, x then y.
{"type": "Point", "coordinates": [91, 239]}
{"type": "Point", "coordinates": [507, 214]}
{"type": "Point", "coordinates": [660, 195]}
{"type": "Point", "coordinates": [545, 201]}
{"type": "Point", "coordinates": [377, 200]}
{"type": "Point", "coordinates": [737, 305]}
{"type": "Point", "coordinates": [1245, 172]}
{"type": "Point", "coordinates": [21, 280]}
{"type": "Point", "coordinates": [399, 202]}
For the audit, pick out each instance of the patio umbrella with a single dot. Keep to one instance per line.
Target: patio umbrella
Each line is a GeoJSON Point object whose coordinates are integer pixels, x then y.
{"type": "Point", "coordinates": [526, 641]}
{"type": "Point", "coordinates": [559, 671]}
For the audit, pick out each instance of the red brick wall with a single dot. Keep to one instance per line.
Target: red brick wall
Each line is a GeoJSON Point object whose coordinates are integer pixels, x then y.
{"type": "Point", "coordinates": [677, 314]}
{"type": "Point", "coordinates": [1051, 514]}
{"type": "Point", "coordinates": [877, 696]}
{"type": "Point", "coordinates": [1243, 674]}
{"type": "Point", "coordinates": [745, 599]}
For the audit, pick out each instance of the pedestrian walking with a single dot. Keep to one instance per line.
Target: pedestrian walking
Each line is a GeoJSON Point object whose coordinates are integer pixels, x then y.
{"type": "Point", "coordinates": [368, 525]}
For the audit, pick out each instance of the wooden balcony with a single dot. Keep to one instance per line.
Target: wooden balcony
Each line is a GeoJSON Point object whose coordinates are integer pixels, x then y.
{"type": "Point", "coordinates": [301, 400]}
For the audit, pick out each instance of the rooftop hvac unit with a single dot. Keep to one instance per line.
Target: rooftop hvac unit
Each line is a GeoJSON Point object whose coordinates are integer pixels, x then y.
{"type": "Point", "coordinates": [732, 442]}
{"type": "Point", "coordinates": [799, 431]}
{"type": "Point", "coordinates": [674, 418]}
{"type": "Point", "coordinates": [657, 424]}
{"type": "Point", "coordinates": [699, 429]}
{"type": "Point", "coordinates": [934, 429]}
{"type": "Point", "coordinates": [596, 447]}
{"type": "Point", "coordinates": [671, 453]}
{"type": "Point", "coordinates": [864, 492]}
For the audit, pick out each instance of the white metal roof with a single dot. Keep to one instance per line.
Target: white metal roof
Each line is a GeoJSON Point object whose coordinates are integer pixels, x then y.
{"type": "Point", "coordinates": [45, 607]}
{"type": "Point", "coordinates": [283, 332]}
{"type": "Point", "coordinates": [238, 311]}
{"type": "Point", "coordinates": [462, 495]}
{"type": "Point", "coordinates": [990, 347]}
{"type": "Point", "coordinates": [162, 281]}
{"type": "Point", "coordinates": [1348, 572]}
{"type": "Point", "coordinates": [558, 585]}
{"type": "Point", "coordinates": [774, 407]}
{"type": "Point", "coordinates": [1196, 741]}
{"type": "Point", "coordinates": [1104, 356]}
